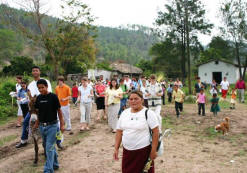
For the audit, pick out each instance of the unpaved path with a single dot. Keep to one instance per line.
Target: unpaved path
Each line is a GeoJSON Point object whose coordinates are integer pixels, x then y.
{"type": "Point", "coordinates": [193, 146]}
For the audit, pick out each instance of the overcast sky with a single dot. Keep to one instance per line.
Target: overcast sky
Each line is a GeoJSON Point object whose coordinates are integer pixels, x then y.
{"type": "Point", "coordinates": [122, 12]}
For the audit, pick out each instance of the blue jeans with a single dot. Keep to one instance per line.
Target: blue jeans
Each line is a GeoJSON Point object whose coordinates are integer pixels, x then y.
{"type": "Point", "coordinates": [48, 134]}
{"type": "Point", "coordinates": [123, 102]}
{"type": "Point", "coordinates": [25, 127]}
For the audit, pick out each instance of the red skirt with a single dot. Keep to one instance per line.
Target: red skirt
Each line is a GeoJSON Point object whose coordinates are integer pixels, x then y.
{"type": "Point", "coordinates": [224, 92]}
{"type": "Point", "coordinates": [135, 160]}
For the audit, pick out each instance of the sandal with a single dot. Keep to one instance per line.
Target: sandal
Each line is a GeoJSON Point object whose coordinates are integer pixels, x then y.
{"type": "Point", "coordinates": [18, 125]}
{"type": "Point", "coordinates": [87, 128]}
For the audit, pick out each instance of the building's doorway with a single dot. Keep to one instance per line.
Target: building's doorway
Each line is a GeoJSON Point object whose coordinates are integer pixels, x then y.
{"type": "Point", "coordinates": [217, 76]}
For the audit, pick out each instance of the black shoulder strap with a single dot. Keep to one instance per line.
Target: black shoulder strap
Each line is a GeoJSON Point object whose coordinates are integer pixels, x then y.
{"type": "Point", "coordinates": [146, 115]}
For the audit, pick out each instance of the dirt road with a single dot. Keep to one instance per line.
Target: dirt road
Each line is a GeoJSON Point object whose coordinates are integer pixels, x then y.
{"type": "Point", "coordinates": [193, 146]}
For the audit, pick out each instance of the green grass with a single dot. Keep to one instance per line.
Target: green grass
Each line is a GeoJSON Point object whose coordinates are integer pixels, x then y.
{"type": "Point", "coordinates": [242, 153]}
{"type": "Point", "coordinates": [168, 123]}
{"type": "Point", "coordinates": [5, 120]}
{"type": "Point", "coordinates": [224, 104]}
{"type": "Point", "coordinates": [210, 133]}
{"type": "Point", "coordinates": [7, 139]}
{"type": "Point", "coordinates": [77, 138]}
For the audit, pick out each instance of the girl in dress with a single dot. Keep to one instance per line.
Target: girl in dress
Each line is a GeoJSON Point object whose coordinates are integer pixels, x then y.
{"type": "Point", "coordinates": [215, 104]}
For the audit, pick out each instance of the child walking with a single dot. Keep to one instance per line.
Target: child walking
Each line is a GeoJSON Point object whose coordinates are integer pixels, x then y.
{"type": "Point", "coordinates": [178, 96]}
{"type": "Point", "coordinates": [23, 98]}
{"type": "Point", "coordinates": [233, 98]}
{"type": "Point", "coordinates": [215, 104]}
{"type": "Point", "coordinates": [169, 93]}
{"type": "Point", "coordinates": [201, 98]}
{"type": "Point", "coordinates": [48, 107]}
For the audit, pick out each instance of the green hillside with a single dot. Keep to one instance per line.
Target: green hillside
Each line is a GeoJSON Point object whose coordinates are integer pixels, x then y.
{"type": "Point", "coordinates": [130, 43]}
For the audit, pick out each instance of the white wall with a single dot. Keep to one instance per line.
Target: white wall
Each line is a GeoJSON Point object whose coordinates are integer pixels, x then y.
{"type": "Point", "coordinates": [92, 73]}
{"type": "Point", "coordinates": [205, 71]}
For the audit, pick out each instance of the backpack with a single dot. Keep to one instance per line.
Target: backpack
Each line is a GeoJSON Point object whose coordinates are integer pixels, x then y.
{"type": "Point", "coordinates": [160, 146]}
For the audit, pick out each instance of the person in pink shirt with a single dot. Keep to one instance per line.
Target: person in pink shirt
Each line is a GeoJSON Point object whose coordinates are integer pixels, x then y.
{"type": "Point", "coordinates": [240, 85]}
{"type": "Point", "coordinates": [201, 100]}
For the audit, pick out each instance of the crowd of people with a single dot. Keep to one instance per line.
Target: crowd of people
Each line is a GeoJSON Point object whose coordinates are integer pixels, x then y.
{"type": "Point", "coordinates": [120, 101]}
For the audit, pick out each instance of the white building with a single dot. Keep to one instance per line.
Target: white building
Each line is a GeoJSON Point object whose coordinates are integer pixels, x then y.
{"type": "Point", "coordinates": [218, 69]}
{"type": "Point", "coordinates": [94, 73]}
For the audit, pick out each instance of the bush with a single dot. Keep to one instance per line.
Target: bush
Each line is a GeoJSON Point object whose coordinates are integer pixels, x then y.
{"type": "Point", "coordinates": [7, 111]}
{"type": "Point", "coordinates": [19, 66]}
{"type": "Point", "coordinates": [190, 99]}
{"type": "Point", "coordinates": [6, 108]}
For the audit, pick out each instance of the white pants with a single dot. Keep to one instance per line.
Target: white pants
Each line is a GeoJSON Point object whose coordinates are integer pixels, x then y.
{"type": "Point", "coordinates": [85, 109]}
{"type": "Point", "coordinates": [66, 115]}
{"type": "Point", "coordinates": [19, 112]}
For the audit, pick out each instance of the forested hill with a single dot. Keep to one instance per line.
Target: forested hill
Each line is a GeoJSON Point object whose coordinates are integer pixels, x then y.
{"type": "Point", "coordinates": [130, 43]}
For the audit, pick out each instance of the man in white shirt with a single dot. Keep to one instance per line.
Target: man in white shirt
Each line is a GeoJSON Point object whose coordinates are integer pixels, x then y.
{"type": "Point", "coordinates": [224, 87]}
{"type": "Point", "coordinates": [153, 94]}
{"type": "Point", "coordinates": [34, 91]}
{"type": "Point", "coordinates": [127, 82]}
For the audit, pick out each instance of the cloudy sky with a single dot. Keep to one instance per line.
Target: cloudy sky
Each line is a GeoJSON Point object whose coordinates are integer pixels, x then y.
{"type": "Point", "coordinates": [122, 12]}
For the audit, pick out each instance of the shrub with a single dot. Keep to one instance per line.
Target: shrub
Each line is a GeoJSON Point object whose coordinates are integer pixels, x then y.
{"type": "Point", "coordinates": [6, 108]}
{"type": "Point", "coordinates": [19, 66]}
{"type": "Point", "coordinates": [190, 99]}
{"type": "Point", "coordinates": [5, 89]}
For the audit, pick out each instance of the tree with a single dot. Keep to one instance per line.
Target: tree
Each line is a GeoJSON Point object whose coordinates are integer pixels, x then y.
{"type": "Point", "coordinates": [217, 49]}
{"type": "Point", "coordinates": [19, 65]}
{"type": "Point", "coordinates": [234, 16]}
{"type": "Point", "coordinates": [9, 44]}
{"type": "Point", "coordinates": [166, 58]}
{"type": "Point", "coordinates": [57, 39]}
{"type": "Point", "coordinates": [146, 66]}
{"type": "Point", "coordinates": [183, 20]}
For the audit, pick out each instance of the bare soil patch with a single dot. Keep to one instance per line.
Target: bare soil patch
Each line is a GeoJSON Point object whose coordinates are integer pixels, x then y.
{"type": "Point", "coordinates": [193, 146]}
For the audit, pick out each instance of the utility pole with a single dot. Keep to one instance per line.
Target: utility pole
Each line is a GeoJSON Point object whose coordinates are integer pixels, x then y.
{"type": "Point", "coordinates": [188, 44]}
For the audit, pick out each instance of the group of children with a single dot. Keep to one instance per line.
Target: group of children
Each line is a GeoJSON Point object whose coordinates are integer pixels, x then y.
{"type": "Point", "coordinates": [215, 108]}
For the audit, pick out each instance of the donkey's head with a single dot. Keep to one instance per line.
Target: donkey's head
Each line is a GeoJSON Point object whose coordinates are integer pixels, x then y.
{"type": "Point", "coordinates": [32, 110]}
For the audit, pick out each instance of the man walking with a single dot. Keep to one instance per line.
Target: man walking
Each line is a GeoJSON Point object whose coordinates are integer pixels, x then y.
{"type": "Point", "coordinates": [154, 93]}
{"type": "Point", "coordinates": [64, 94]}
{"type": "Point", "coordinates": [34, 91]}
{"type": "Point", "coordinates": [240, 85]}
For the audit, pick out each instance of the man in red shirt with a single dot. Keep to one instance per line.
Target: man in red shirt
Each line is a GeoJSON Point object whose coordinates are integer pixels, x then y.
{"type": "Point", "coordinates": [240, 85]}
{"type": "Point", "coordinates": [74, 93]}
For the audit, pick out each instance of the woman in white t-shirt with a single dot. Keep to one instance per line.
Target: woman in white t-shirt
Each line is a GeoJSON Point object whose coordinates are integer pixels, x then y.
{"type": "Point", "coordinates": [85, 95]}
{"type": "Point", "coordinates": [133, 132]}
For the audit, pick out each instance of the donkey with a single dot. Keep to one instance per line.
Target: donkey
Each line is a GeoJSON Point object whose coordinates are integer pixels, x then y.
{"type": "Point", "coordinates": [34, 132]}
